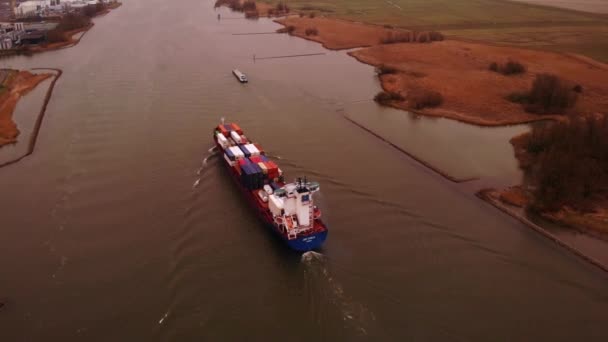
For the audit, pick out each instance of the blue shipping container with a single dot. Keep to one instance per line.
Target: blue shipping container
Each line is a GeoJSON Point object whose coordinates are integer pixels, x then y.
{"type": "Point", "coordinates": [230, 154]}
{"type": "Point", "coordinates": [245, 151]}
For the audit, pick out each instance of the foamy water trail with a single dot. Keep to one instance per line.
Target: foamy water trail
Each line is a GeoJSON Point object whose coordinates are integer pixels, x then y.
{"type": "Point", "coordinates": [163, 318]}
{"type": "Point", "coordinates": [196, 183]}
{"type": "Point", "coordinates": [324, 291]}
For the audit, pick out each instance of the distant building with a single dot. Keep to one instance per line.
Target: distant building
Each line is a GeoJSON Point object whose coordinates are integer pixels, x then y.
{"type": "Point", "coordinates": [31, 7]}
{"type": "Point", "coordinates": [6, 43]}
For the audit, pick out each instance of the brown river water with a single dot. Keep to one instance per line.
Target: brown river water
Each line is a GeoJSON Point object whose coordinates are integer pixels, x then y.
{"type": "Point", "coordinates": [122, 226]}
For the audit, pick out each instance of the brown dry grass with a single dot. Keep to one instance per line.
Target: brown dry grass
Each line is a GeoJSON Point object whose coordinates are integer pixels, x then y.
{"type": "Point", "coordinates": [18, 86]}
{"type": "Point", "coordinates": [515, 196]}
{"type": "Point", "coordinates": [459, 71]}
{"type": "Point", "coordinates": [337, 34]}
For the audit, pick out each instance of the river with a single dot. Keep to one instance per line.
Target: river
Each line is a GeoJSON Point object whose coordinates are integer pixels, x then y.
{"type": "Point", "coordinates": [122, 226]}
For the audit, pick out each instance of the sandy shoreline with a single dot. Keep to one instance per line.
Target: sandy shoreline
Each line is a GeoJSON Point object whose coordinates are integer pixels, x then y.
{"type": "Point", "coordinates": [20, 83]}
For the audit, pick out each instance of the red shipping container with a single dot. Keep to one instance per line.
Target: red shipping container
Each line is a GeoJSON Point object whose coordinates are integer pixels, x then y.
{"type": "Point", "coordinates": [259, 148]}
{"type": "Point", "coordinates": [237, 128]}
{"type": "Point", "coordinates": [255, 159]}
{"type": "Point", "coordinates": [223, 130]}
{"type": "Point", "coordinates": [243, 161]}
{"type": "Point", "coordinates": [273, 169]}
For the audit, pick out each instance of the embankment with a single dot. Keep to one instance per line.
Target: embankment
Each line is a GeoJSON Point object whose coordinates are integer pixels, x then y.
{"type": "Point", "coordinates": [493, 197]}
{"type": "Point", "coordinates": [39, 119]}
{"type": "Point", "coordinates": [17, 85]}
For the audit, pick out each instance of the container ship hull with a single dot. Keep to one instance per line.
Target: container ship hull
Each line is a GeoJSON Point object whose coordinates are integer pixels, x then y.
{"type": "Point", "coordinates": [305, 239]}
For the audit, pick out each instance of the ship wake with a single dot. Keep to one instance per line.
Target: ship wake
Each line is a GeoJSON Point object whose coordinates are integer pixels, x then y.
{"type": "Point", "coordinates": [326, 297]}
{"type": "Point", "coordinates": [199, 172]}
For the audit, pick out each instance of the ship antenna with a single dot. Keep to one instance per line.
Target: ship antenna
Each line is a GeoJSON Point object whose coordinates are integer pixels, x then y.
{"type": "Point", "coordinates": [305, 181]}
{"type": "Point", "coordinates": [222, 120]}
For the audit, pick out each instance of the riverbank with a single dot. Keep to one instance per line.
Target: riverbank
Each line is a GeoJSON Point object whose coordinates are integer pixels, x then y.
{"type": "Point", "coordinates": [457, 70]}
{"type": "Point", "coordinates": [70, 42]}
{"type": "Point", "coordinates": [494, 197]}
{"type": "Point", "coordinates": [593, 221]}
{"type": "Point", "coordinates": [16, 85]}
{"type": "Point", "coordinates": [63, 37]}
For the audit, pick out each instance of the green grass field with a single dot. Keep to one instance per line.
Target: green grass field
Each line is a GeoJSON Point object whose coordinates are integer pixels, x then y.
{"type": "Point", "coordinates": [497, 21]}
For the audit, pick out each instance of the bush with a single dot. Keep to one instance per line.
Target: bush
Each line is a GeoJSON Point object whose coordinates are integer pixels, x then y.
{"type": "Point", "coordinates": [56, 36]}
{"type": "Point", "coordinates": [423, 38]}
{"type": "Point", "coordinates": [250, 5]}
{"type": "Point", "coordinates": [312, 15]}
{"type": "Point", "coordinates": [385, 70]}
{"type": "Point", "coordinates": [571, 163]}
{"type": "Point", "coordinates": [252, 14]}
{"type": "Point", "coordinates": [311, 31]}
{"type": "Point", "coordinates": [93, 10]}
{"type": "Point", "coordinates": [288, 29]}
{"type": "Point", "coordinates": [435, 36]}
{"type": "Point", "coordinates": [302, 14]}
{"type": "Point", "coordinates": [73, 21]}
{"type": "Point", "coordinates": [397, 37]}
{"type": "Point", "coordinates": [385, 97]}
{"type": "Point", "coordinates": [420, 98]}
{"type": "Point", "coordinates": [550, 94]}
{"type": "Point", "coordinates": [513, 68]}
{"type": "Point", "coordinates": [282, 7]}
{"type": "Point", "coordinates": [519, 97]}
{"type": "Point", "coordinates": [578, 88]}
{"type": "Point", "coordinates": [509, 68]}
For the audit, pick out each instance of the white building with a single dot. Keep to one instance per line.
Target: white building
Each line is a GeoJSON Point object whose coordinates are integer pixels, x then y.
{"type": "Point", "coordinates": [31, 7]}
{"type": "Point", "coordinates": [6, 43]}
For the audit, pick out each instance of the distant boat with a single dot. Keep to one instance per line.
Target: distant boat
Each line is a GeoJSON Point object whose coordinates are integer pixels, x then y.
{"type": "Point", "coordinates": [240, 76]}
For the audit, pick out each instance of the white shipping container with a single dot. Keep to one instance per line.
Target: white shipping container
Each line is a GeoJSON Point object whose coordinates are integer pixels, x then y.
{"type": "Point", "coordinates": [230, 162]}
{"type": "Point", "coordinates": [238, 154]}
{"type": "Point", "coordinates": [221, 138]}
{"type": "Point", "coordinates": [252, 149]}
{"type": "Point", "coordinates": [236, 137]}
{"type": "Point", "coordinates": [268, 189]}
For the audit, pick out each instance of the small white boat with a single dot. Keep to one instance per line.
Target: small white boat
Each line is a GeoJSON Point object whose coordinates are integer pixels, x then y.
{"type": "Point", "coordinates": [240, 76]}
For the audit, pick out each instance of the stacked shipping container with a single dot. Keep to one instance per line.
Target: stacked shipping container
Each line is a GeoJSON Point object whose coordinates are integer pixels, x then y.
{"type": "Point", "coordinates": [255, 168]}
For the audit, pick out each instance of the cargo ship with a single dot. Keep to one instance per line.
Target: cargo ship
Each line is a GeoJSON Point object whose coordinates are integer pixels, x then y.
{"type": "Point", "coordinates": [287, 209]}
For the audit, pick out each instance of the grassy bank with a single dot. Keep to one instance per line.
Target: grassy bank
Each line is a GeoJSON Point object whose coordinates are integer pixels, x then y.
{"type": "Point", "coordinates": [495, 21]}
